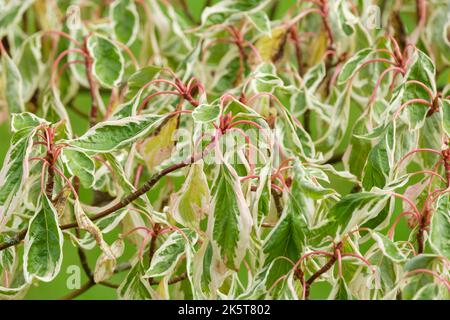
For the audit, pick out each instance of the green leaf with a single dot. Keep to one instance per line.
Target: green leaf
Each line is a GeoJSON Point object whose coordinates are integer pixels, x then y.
{"type": "Point", "coordinates": [78, 69]}
{"type": "Point", "coordinates": [115, 134]}
{"type": "Point", "coordinates": [170, 253]}
{"type": "Point", "coordinates": [440, 226]}
{"type": "Point", "coordinates": [15, 168]}
{"type": "Point", "coordinates": [140, 78]}
{"type": "Point", "coordinates": [445, 114]}
{"type": "Point", "coordinates": [125, 21]}
{"type": "Point", "coordinates": [15, 293]}
{"type": "Point", "coordinates": [422, 69]}
{"type": "Point", "coordinates": [108, 66]}
{"type": "Point", "coordinates": [380, 161]}
{"type": "Point", "coordinates": [418, 281]}
{"type": "Point", "coordinates": [228, 9]}
{"type": "Point", "coordinates": [43, 244]}
{"type": "Point", "coordinates": [80, 165]}
{"type": "Point", "coordinates": [230, 219]}
{"type": "Point", "coordinates": [205, 113]}
{"type": "Point", "coordinates": [260, 20]}
{"type": "Point", "coordinates": [289, 236]}
{"type": "Point", "coordinates": [134, 286]}
{"type": "Point", "coordinates": [430, 291]}
{"type": "Point", "coordinates": [340, 291]}
{"type": "Point", "coordinates": [11, 14]}
{"type": "Point", "coordinates": [13, 83]}
{"type": "Point", "coordinates": [29, 64]}
{"type": "Point", "coordinates": [388, 247]}
{"type": "Point", "coordinates": [25, 120]}
{"type": "Point", "coordinates": [352, 210]}
{"type": "Point", "coordinates": [158, 147]}
{"type": "Point", "coordinates": [350, 67]}
{"type": "Point", "coordinates": [191, 202]}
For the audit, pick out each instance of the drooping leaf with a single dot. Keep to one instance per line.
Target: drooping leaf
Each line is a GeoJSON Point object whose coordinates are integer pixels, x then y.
{"type": "Point", "coordinates": [445, 114]}
{"type": "Point", "coordinates": [352, 210]}
{"type": "Point", "coordinates": [230, 219]}
{"type": "Point", "coordinates": [43, 244]}
{"type": "Point", "coordinates": [380, 161]}
{"type": "Point", "coordinates": [159, 145]}
{"type": "Point", "coordinates": [340, 291]}
{"type": "Point", "coordinates": [388, 247]}
{"type": "Point", "coordinates": [190, 204]}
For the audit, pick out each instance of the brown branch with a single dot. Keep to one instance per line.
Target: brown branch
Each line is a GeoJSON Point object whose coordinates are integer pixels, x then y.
{"type": "Point", "coordinates": [277, 198]}
{"type": "Point", "coordinates": [15, 239]}
{"type": "Point", "coordinates": [152, 249]}
{"type": "Point", "coordinates": [76, 293]}
{"type": "Point", "coordinates": [50, 174]}
{"type": "Point", "coordinates": [318, 273]}
{"type": "Point", "coordinates": [174, 280]}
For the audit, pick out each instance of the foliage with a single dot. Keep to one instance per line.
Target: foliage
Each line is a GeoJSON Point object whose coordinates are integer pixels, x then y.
{"type": "Point", "coordinates": [248, 153]}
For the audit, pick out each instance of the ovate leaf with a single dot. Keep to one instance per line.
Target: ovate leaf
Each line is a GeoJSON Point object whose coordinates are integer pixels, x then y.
{"type": "Point", "coordinates": [80, 165]}
{"type": "Point", "coordinates": [30, 66]}
{"type": "Point", "coordinates": [191, 202]}
{"type": "Point", "coordinates": [340, 291]}
{"type": "Point", "coordinates": [230, 219]}
{"type": "Point", "coordinates": [125, 20]}
{"type": "Point", "coordinates": [206, 113]}
{"type": "Point", "coordinates": [260, 20]}
{"type": "Point", "coordinates": [352, 65]}
{"type": "Point", "coordinates": [11, 14]}
{"type": "Point", "coordinates": [288, 238]}
{"type": "Point", "coordinates": [169, 253]}
{"type": "Point", "coordinates": [380, 161]}
{"type": "Point", "coordinates": [134, 286]}
{"type": "Point", "coordinates": [43, 244]}
{"type": "Point", "coordinates": [108, 64]}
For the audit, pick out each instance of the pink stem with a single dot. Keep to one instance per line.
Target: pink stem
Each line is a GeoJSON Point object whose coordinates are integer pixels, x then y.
{"type": "Point", "coordinates": [410, 102]}
{"type": "Point", "coordinates": [418, 150]}
{"type": "Point", "coordinates": [377, 85]}
{"type": "Point", "coordinates": [396, 221]}
{"type": "Point", "coordinates": [402, 197]}
{"type": "Point", "coordinates": [432, 273]}
{"type": "Point", "coordinates": [430, 93]}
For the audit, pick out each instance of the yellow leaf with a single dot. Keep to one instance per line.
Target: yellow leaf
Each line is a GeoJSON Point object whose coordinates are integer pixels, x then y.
{"type": "Point", "coordinates": [271, 48]}
{"type": "Point", "coordinates": [158, 147]}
